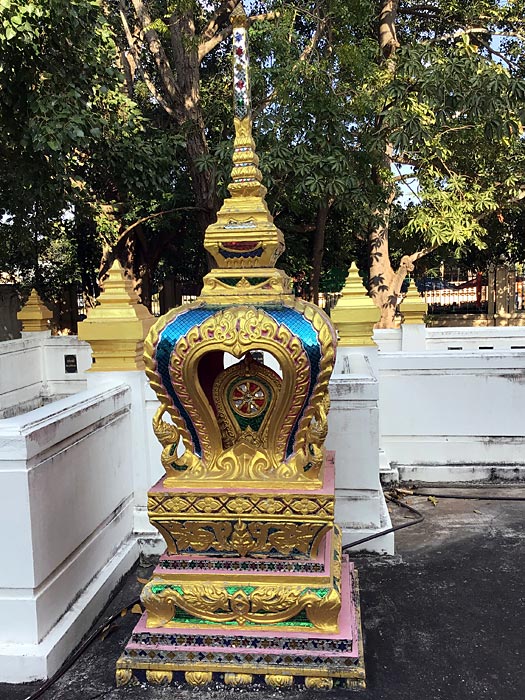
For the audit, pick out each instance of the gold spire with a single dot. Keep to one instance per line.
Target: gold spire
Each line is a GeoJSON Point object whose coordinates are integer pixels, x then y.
{"type": "Point", "coordinates": [246, 175]}
{"type": "Point", "coordinates": [355, 313]}
{"type": "Point", "coordinates": [116, 328]}
{"type": "Point", "coordinates": [244, 236]}
{"type": "Point", "coordinates": [34, 315]}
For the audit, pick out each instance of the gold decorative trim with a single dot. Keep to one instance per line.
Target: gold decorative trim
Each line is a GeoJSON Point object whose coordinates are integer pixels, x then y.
{"type": "Point", "coordinates": [278, 681]}
{"type": "Point", "coordinates": [159, 677]}
{"type": "Point", "coordinates": [319, 683]}
{"type": "Point", "coordinates": [238, 378]}
{"type": "Point", "coordinates": [123, 676]}
{"type": "Point", "coordinates": [269, 505]}
{"type": "Point", "coordinates": [238, 679]}
{"type": "Point", "coordinates": [242, 537]}
{"type": "Point", "coordinates": [237, 330]}
{"type": "Point", "coordinates": [263, 605]}
{"type": "Point", "coordinates": [198, 678]}
{"type": "Point", "coordinates": [274, 284]}
{"type": "Point", "coordinates": [356, 673]}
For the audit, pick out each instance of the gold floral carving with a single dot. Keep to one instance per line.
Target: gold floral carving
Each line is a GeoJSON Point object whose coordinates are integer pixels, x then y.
{"type": "Point", "coordinates": [159, 677]}
{"type": "Point", "coordinates": [270, 284]}
{"type": "Point", "coordinates": [262, 605]}
{"type": "Point", "coordinates": [319, 683]}
{"type": "Point", "coordinates": [231, 431]}
{"type": "Point", "coordinates": [123, 676]}
{"type": "Point", "coordinates": [240, 537]}
{"type": "Point", "coordinates": [278, 681]}
{"type": "Point", "coordinates": [238, 679]}
{"type": "Point", "coordinates": [317, 507]}
{"type": "Point", "coordinates": [198, 678]}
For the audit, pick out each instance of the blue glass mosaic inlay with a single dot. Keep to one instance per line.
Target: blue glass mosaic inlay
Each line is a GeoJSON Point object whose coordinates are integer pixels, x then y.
{"type": "Point", "coordinates": [304, 330]}
{"type": "Point", "coordinates": [179, 327]}
{"type": "Point", "coordinates": [168, 338]}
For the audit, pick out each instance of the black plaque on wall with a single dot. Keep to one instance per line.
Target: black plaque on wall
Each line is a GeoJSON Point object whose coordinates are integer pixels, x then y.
{"type": "Point", "coordinates": [70, 364]}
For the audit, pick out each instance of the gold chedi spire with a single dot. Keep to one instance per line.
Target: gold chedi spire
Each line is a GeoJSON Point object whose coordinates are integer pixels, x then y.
{"type": "Point", "coordinates": [34, 315]}
{"type": "Point", "coordinates": [116, 328]}
{"type": "Point", "coordinates": [413, 307]}
{"type": "Point", "coordinates": [244, 242]}
{"type": "Point", "coordinates": [355, 313]}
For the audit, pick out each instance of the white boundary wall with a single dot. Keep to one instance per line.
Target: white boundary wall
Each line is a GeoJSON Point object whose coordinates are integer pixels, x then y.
{"type": "Point", "coordinates": [66, 521]}
{"type": "Point", "coordinates": [451, 402]}
{"type": "Point", "coordinates": [33, 368]}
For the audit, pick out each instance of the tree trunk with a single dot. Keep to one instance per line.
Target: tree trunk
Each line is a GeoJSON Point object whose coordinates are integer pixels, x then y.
{"type": "Point", "coordinates": [318, 247]}
{"type": "Point", "coordinates": [185, 56]}
{"type": "Point", "coordinates": [384, 284]}
{"type": "Point", "coordinates": [176, 89]}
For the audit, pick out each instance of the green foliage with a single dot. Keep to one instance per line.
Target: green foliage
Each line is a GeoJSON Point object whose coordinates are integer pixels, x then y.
{"type": "Point", "coordinates": [337, 124]}
{"type": "Point", "coordinates": [70, 138]}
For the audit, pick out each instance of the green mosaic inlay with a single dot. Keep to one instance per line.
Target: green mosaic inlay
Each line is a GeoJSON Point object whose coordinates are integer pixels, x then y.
{"type": "Point", "coordinates": [246, 589]}
{"type": "Point", "coordinates": [159, 587]}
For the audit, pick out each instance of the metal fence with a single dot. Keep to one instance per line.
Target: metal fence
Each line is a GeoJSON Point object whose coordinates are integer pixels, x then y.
{"type": "Point", "coordinates": [498, 289]}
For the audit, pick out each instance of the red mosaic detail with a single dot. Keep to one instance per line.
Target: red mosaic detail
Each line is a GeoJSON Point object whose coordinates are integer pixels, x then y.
{"type": "Point", "coordinates": [240, 246]}
{"type": "Point", "coordinates": [248, 398]}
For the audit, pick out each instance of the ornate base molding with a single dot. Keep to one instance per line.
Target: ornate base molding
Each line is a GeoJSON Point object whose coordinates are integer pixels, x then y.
{"type": "Point", "coordinates": [279, 657]}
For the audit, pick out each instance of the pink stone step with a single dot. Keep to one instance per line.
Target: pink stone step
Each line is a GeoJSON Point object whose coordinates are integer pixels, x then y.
{"type": "Point", "coordinates": [336, 650]}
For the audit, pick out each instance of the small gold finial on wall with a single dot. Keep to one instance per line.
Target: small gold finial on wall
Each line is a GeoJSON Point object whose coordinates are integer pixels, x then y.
{"type": "Point", "coordinates": [34, 315]}
{"type": "Point", "coordinates": [355, 313]}
{"type": "Point", "coordinates": [116, 328]}
{"type": "Point", "coordinates": [413, 307]}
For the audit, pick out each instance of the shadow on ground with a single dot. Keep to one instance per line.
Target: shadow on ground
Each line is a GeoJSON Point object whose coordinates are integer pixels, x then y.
{"type": "Point", "coordinates": [443, 618]}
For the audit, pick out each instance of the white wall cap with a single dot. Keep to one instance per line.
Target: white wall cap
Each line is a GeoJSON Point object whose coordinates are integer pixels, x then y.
{"type": "Point", "coordinates": [22, 437]}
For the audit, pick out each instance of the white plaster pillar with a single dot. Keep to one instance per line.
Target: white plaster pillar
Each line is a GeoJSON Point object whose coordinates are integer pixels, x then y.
{"type": "Point", "coordinates": [353, 432]}
{"type": "Point", "coordinates": [413, 337]}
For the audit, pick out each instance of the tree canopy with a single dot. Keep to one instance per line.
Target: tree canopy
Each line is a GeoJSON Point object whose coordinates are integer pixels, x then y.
{"type": "Point", "coordinates": [386, 128]}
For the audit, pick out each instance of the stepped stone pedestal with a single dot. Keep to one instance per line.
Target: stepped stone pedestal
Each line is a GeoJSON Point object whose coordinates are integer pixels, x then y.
{"type": "Point", "coordinates": [286, 611]}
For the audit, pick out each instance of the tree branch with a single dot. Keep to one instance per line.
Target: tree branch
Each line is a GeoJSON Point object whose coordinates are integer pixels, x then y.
{"type": "Point", "coordinates": [126, 231]}
{"type": "Point", "coordinates": [421, 253]}
{"type": "Point", "coordinates": [157, 51]}
{"type": "Point", "coordinates": [305, 54]}
{"type": "Point", "coordinates": [222, 12]}
{"type": "Point", "coordinates": [498, 54]}
{"type": "Point", "coordinates": [134, 53]}
{"type": "Point", "coordinates": [207, 45]}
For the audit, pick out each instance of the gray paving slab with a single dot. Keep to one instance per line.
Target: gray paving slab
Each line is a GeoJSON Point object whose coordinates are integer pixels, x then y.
{"type": "Point", "coordinates": [443, 619]}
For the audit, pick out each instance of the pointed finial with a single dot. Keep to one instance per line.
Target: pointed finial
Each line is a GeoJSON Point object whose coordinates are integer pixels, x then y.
{"type": "Point", "coordinates": [246, 175]}
{"type": "Point", "coordinates": [116, 328]}
{"type": "Point", "coordinates": [238, 16]}
{"type": "Point", "coordinates": [413, 307]}
{"type": "Point", "coordinates": [355, 313]}
{"type": "Point", "coordinates": [244, 236]}
{"type": "Point", "coordinates": [34, 315]}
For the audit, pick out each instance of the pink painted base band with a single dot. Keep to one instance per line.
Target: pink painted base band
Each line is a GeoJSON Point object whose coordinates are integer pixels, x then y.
{"type": "Point", "coordinates": [348, 630]}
